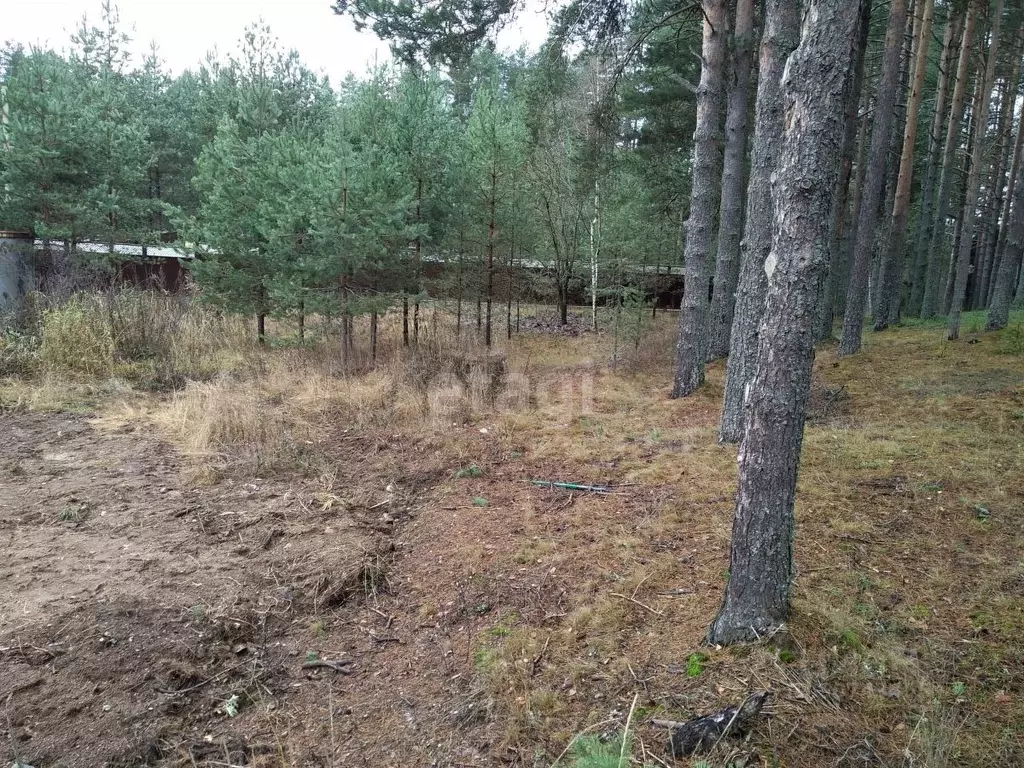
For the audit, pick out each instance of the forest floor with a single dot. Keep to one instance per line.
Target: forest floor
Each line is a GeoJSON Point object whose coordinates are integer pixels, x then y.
{"type": "Point", "coordinates": [411, 598]}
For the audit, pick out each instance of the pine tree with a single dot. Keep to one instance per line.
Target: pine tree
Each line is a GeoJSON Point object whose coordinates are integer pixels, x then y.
{"type": "Point", "coordinates": [691, 348]}
{"type": "Point", "coordinates": [495, 139]}
{"type": "Point", "coordinates": [874, 180]}
{"type": "Point", "coordinates": [761, 559]}
{"type": "Point", "coordinates": [778, 40]}
{"type": "Point", "coordinates": [46, 169]}
{"type": "Point", "coordinates": [423, 139]}
{"type": "Point", "coordinates": [961, 264]}
{"type": "Point", "coordinates": [113, 207]}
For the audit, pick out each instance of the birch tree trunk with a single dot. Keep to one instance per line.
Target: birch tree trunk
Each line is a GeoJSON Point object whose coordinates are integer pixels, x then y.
{"type": "Point", "coordinates": [691, 348]}
{"type": "Point", "coordinates": [926, 215]}
{"type": "Point", "coordinates": [730, 217]}
{"type": "Point", "coordinates": [887, 311]}
{"type": "Point", "coordinates": [779, 38]}
{"type": "Point", "coordinates": [874, 180]}
{"type": "Point", "coordinates": [1010, 261]}
{"type": "Point", "coordinates": [963, 259]}
{"type": "Point", "coordinates": [826, 315]}
{"type": "Point", "coordinates": [761, 560]}
{"type": "Point", "coordinates": [933, 272]}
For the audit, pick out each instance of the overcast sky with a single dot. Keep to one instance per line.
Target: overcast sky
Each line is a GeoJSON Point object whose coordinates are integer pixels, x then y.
{"type": "Point", "coordinates": [185, 30]}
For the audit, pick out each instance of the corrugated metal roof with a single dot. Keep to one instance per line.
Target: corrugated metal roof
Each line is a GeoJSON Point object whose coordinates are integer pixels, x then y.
{"type": "Point", "coordinates": [130, 250]}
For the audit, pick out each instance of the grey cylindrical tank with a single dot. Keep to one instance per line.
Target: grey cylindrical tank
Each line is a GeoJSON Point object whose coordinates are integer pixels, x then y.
{"type": "Point", "coordinates": [15, 268]}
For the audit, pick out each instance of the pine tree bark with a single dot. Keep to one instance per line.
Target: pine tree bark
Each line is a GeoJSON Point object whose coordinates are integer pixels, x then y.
{"type": "Point", "coordinates": [887, 311]}
{"type": "Point", "coordinates": [826, 315]}
{"type": "Point", "coordinates": [1010, 261]}
{"type": "Point", "coordinates": [1006, 172]}
{"type": "Point", "coordinates": [963, 259]}
{"type": "Point", "coordinates": [949, 267]}
{"type": "Point", "coordinates": [761, 560]}
{"type": "Point", "coordinates": [492, 232]}
{"type": "Point", "coordinates": [990, 204]}
{"type": "Point", "coordinates": [1018, 296]}
{"type": "Point", "coordinates": [933, 271]}
{"type": "Point", "coordinates": [850, 238]}
{"type": "Point", "coordinates": [874, 180]}
{"type": "Point", "coordinates": [892, 164]}
{"type": "Point", "coordinates": [1005, 218]}
{"type": "Point", "coordinates": [730, 217]}
{"type": "Point", "coordinates": [691, 347]}
{"type": "Point", "coordinates": [779, 38]}
{"type": "Point", "coordinates": [926, 215]}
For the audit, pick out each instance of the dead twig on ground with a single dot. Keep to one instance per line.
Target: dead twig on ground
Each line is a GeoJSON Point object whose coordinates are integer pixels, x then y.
{"type": "Point", "coordinates": [204, 683]}
{"type": "Point", "coordinates": [339, 665]}
{"type": "Point", "coordinates": [642, 605]}
{"type": "Point", "coordinates": [536, 659]}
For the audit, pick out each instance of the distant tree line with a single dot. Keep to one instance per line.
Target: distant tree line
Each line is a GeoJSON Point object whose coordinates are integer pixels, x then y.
{"type": "Point", "coordinates": [303, 198]}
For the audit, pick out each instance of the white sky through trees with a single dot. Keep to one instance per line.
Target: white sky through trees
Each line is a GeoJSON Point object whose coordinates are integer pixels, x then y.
{"type": "Point", "coordinates": [185, 30]}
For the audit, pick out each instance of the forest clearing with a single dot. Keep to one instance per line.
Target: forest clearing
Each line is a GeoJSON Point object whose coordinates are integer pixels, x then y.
{"type": "Point", "coordinates": [581, 384]}
{"type": "Point", "coordinates": [169, 600]}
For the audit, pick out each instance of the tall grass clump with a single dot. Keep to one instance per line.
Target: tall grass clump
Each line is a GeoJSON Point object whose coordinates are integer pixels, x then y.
{"type": "Point", "coordinates": [149, 337]}
{"type": "Point", "coordinates": [76, 338]}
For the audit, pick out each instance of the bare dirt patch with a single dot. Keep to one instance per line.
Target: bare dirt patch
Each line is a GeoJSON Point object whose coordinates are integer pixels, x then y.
{"type": "Point", "coordinates": [142, 615]}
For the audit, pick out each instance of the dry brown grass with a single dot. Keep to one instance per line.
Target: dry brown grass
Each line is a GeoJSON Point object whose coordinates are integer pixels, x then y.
{"type": "Point", "coordinates": [904, 647]}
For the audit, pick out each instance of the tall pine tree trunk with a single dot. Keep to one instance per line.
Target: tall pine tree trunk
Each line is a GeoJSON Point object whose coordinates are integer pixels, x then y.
{"type": "Point", "coordinates": [850, 239]}
{"type": "Point", "coordinates": [1013, 245]}
{"type": "Point", "coordinates": [730, 217]}
{"type": "Point", "coordinates": [885, 101]}
{"type": "Point", "coordinates": [509, 283]}
{"type": "Point", "coordinates": [779, 38]}
{"type": "Point", "coordinates": [949, 267]}
{"type": "Point", "coordinates": [691, 348]}
{"type": "Point", "coordinates": [761, 559]}
{"type": "Point", "coordinates": [595, 245]}
{"type": "Point", "coordinates": [492, 233]}
{"type": "Point", "coordinates": [926, 215]}
{"type": "Point", "coordinates": [419, 261]}
{"type": "Point", "coordinates": [933, 271]}
{"type": "Point", "coordinates": [837, 223]}
{"type": "Point", "coordinates": [892, 163]}
{"type": "Point", "coordinates": [887, 311]}
{"type": "Point", "coordinates": [459, 290]}
{"type": "Point", "coordinates": [968, 227]}
{"type": "Point", "coordinates": [1008, 203]}
{"type": "Point", "coordinates": [988, 223]}
{"type": "Point", "coordinates": [1007, 171]}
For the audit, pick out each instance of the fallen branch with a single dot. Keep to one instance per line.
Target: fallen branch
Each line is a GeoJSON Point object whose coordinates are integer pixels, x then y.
{"type": "Point", "coordinates": [625, 732]}
{"type": "Point", "coordinates": [340, 665]}
{"type": "Point", "coordinates": [702, 734]}
{"type": "Point", "coordinates": [642, 605]}
{"type": "Point", "coordinates": [602, 489]}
